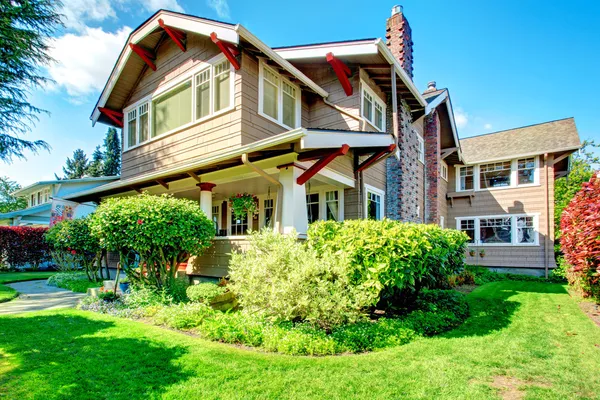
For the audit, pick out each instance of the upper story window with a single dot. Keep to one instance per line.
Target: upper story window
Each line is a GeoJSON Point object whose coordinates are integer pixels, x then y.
{"type": "Point", "coordinates": [504, 174]}
{"type": "Point", "coordinates": [444, 171]}
{"type": "Point", "coordinates": [279, 99]}
{"type": "Point", "coordinates": [373, 108]}
{"type": "Point", "coordinates": [203, 93]}
{"type": "Point", "coordinates": [420, 148]}
{"type": "Point", "coordinates": [511, 230]}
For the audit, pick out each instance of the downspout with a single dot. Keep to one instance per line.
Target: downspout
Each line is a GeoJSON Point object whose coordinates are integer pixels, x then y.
{"type": "Point", "coordinates": [274, 181]}
{"type": "Point", "coordinates": [547, 195]}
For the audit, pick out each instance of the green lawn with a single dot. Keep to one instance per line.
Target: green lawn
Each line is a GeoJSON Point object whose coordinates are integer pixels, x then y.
{"type": "Point", "coordinates": [8, 293]}
{"type": "Point", "coordinates": [529, 336]}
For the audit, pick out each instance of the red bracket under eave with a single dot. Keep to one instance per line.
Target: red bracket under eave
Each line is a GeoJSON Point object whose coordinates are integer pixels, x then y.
{"type": "Point", "coordinates": [115, 116]}
{"type": "Point", "coordinates": [322, 163]}
{"type": "Point", "coordinates": [228, 49]}
{"type": "Point", "coordinates": [375, 158]}
{"type": "Point", "coordinates": [342, 71]}
{"type": "Point", "coordinates": [175, 34]}
{"type": "Point", "coordinates": [144, 54]}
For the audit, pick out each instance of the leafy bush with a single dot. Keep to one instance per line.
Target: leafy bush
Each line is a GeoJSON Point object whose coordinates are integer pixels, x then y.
{"type": "Point", "coordinates": [74, 237]}
{"type": "Point", "coordinates": [145, 296]}
{"type": "Point", "coordinates": [280, 278]}
{"type": "Point", "coordinates": [64, 261]}
{"type": "Point", "coordinates": [74, 281]}
{"type": "Point", "coordinates": [22, 245]}
{"type": "Point", "coordinates": [108, 295]}
{"type": "Point", "coordinates": [580, 240]}
{"type": "Point", "coordinates": [161, 231]}
{"type": "Point", "coordinates": [182, 316]}
{"type": "Point", "coordinates": [392, 258]}
{"type": "Point", "coordinates": [204, 292]}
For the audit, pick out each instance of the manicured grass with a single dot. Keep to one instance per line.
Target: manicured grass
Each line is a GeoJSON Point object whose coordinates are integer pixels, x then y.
{"type": "Point", "coordinates": [8, 293]}
{"type": "Point", "coordinates": [530, 333]}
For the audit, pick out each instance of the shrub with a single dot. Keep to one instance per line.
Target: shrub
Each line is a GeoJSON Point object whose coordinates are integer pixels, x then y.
{"type": "Point", "coordinates": [204, 292]}
{"type": "Point", "coordinates": [182, 316]}
{"type": "Point", "coordinates": [22, 245]}
{"type": "Point", "coordinates": [108, 295]}
{"type": "Point", "coordinates": [74, 281]}
{"type": "Point", "coordinates": [392, 257]}
{"type": "Point", "coordinates": [161, 231]}
{"type": "Point", "coordinates": [280, 278]}
{"type": "Point", "coordinates": [74, 237]}
{"type": "Point", "coordinates": [580, 240]}
{"type": "Point", "coordinates": [145, 296]}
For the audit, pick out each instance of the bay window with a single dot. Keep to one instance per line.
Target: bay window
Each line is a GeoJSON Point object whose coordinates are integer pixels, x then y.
{"type": "Point", "coordinates": [279, 99]}
{"type": "Point", "coordinates": [373, 108]}
{"type": "Point", "coordinates": [503, 230]}
{"type": "Point", "coordinates": [502, 174]}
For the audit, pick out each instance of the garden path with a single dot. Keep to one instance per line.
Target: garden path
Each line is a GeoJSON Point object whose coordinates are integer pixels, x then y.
{"type": "Point", "coordinates": [37, 296]}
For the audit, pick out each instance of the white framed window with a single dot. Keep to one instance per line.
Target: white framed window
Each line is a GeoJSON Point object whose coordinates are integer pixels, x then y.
{"type": "Point", "coordinates": [506, 174]}
{"type": "Point", "coordinates": [325, 203]}
{"type": "Point", "coordinates": [501, 230]}
{"type": "Point", "coordinates": [279, 99]}
{"type": "Point", "coordinates": [239, 226]}
{"type": "Point", "coordinates": [526, 171]}
{"type": "Point", "coordinates": [420, 149]}
{"type": "Point", "coordinates": [495, 175]}
{"type": "Point", "coordinates": [465, 178]}
{"type": "Point", "coordinates": [267, 212]}
{"type": "Point", "coordinates": [373, 108]}
{"type": "Point", "coordinates": [444, 171]}
{"type": "Point", "coordinates": [332, 205]}
{"type": "Point", "coordinates": [216, 216]}
{"type": "Point", "coordinates": [203, 93]}
{"type": "Point", "coordinates": [374, 203]}
{"type": "Point", "coordinates": [442, 221]}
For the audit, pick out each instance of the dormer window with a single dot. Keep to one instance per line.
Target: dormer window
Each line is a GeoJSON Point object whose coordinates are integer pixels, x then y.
{"type": "Point", "coordinates": [373, 108]}
{"type": "Point", "coordinates": [279, 99]}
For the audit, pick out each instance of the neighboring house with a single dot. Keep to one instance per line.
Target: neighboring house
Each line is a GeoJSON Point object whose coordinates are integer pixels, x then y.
{"type": "Point", "coordinates": [320, 131]}
{"type": "Point", "coordinates": [39, 199]}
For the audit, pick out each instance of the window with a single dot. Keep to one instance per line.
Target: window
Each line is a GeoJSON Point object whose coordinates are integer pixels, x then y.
{"type": "Point", "coordinates": [206, 91]}
{"type": "Point", "coordinates": [373, 108]}
{"type": "Point", "coordinates": [279, 99]}
{"type": "Point", "coordinates": [332, 203]}
{"type": "Point", "coordinates": [32, 200]}
{"type": "Point", "coordinates": [46, 195]}
{"type": "Point", "coordinates": [495, 175]}
{"type": "Point", "coordinates": [239, 226]}
{"type": "Point", "coordinates": [268, 212]}
{"type": "Point", "coordinates": [444, 171]}
{"type": "Point", "coordinates": [526, 170]}
{"type": "Point", "coordinates": [442, 222]}
{"type": "Point", "coordinates": [216, 217]}
{"type": "Point", "coordinates": [466, 178]}
{"type": "Point", "coordinates": [420, 148]}
{"type": "Point", "coordinates": [312, 207]}
{"type": "Point", "coordinates": [500, 230]}
{"type": "Point", "coordinates": [374, 203]}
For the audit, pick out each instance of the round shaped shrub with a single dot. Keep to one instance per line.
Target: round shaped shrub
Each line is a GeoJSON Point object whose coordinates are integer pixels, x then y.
{"type": "Point", "coordinates": [204, 292]}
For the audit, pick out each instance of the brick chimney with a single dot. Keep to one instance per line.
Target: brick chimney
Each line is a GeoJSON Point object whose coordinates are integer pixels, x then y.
{"type": "Point", "coordinates": [399, 39]}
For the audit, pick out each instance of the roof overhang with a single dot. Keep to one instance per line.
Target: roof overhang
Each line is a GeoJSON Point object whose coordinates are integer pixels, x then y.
{"type": "Point", "coordinates": [27, 211]}
{"type": "Point", "coordinates": [34, 186]}
{"type": "Point", "coordinates": [226, 32]}
{"type": "Point", "coordinates": [444, 98]}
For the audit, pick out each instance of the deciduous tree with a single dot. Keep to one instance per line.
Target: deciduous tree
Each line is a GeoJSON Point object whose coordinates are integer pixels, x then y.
{"type": "Point", "coordinates": [8, 202]}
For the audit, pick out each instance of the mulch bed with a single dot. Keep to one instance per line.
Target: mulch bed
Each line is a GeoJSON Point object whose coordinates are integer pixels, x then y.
{"type": "Point", "coordinates": [591, 310]}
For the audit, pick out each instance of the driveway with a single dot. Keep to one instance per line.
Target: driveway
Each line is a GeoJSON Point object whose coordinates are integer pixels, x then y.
{"type": "Point", "coordinates": [37, 296]}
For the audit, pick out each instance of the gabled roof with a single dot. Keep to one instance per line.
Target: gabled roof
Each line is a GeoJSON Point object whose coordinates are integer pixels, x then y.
{"type": "Point", "coordinates": [548, 137]}
{"type": "Point", "coordinates": [64, 181]}
{"type": "Point", "coordinates": [435, 99]}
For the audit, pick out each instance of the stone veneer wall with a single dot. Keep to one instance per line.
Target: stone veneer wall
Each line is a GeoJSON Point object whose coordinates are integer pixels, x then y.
{"type": "Point", "coordinates": [431, 135]}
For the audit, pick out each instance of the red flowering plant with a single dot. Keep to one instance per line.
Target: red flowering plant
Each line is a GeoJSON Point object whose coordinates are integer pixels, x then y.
{"type": "Point", "coordinates": [22, 246]}
{"type": "Point", "coordinates": [580, 240]}
{"type": "Point", "coordinates": [243, 203]}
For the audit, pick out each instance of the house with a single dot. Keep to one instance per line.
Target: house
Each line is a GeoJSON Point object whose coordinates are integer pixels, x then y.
{"type": "Point", "coordinates": [333, 130]}
{"type": "Point", "coordinates": [39, 199]}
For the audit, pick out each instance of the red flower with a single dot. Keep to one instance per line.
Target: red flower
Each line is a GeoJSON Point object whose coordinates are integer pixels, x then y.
{"type": "Point", "coordinates": [73, 252]}
{"type": "Point", "coordinates": [139, 221]}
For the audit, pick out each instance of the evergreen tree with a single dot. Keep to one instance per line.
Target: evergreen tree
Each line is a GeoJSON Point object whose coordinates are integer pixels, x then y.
{"type": "Point", "coordinates": [112, 153]}
{"type": "Point", "coordinates": [76, 168]}
{"type": "Point", "coordinates": [25, 29]}
{"type": "Point", "coordinates": [8, 202]}
{"type": "Point", "coordinates": [96, 167]}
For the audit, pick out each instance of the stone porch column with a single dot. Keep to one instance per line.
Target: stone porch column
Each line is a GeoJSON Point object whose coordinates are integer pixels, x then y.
{"type": "Point", "coordinates": [206, 197]}
{"type": "Point", "coordinates": [293, 208]}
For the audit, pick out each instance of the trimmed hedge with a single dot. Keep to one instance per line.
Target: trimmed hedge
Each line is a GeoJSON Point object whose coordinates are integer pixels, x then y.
{"type": "Point", "coordinates": [22, 245]}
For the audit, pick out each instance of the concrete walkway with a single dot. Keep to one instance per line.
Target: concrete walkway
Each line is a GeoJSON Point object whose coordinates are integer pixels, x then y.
{"type": "Point", "coordinates": [37, 296]}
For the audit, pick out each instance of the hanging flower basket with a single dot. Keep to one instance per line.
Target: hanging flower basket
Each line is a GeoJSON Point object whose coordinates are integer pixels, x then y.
{"type": "Point", "coordinates": [243, 203]}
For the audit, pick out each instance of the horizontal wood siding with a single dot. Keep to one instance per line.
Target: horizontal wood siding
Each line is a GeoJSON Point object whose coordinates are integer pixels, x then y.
{"type": "Point", "coordinates": [214, 262]}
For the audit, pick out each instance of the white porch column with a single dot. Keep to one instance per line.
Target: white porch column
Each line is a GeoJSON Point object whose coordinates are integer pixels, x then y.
{"type": "Point", "coordinates": [293, 211]}
{"type": "Point", "coordinates": [206, 197]}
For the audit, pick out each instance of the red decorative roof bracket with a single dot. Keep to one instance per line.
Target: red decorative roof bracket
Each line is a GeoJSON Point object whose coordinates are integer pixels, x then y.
{"type": "Point", "coordinates": [115, 116]}
{"type": "Point", "coordinates": [228, 49]}
{"type": "Point", "coordinates": [375, 158]}
{"type": "Point", "coordinates": [322, 163]}
{"type": "Point", "coordinates": [144, 54]}
{"type": "Point", "coordinates": [175, 34]}
{"type": "Point", "coordinates": [342, 71]}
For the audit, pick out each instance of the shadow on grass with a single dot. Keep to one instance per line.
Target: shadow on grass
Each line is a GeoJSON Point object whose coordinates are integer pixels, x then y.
{"type": "Point", "coordinates": [70, 356]}
{"type": "Point", "coordinates": [491, 309]}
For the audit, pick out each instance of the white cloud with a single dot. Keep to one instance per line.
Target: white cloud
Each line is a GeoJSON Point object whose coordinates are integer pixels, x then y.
{"type": "Point", "coordinates": [461, 118]}
{"type": "Point", "coordinates": [220, 6]}
{"type": "Point", "coordinates": [78, 12]}
{"type": "Point", "coordinates": [84, 61]}
{"type": "Point", "coordinates": [155, 5]}
{"type": "Point", "coordinates": [487, 126]}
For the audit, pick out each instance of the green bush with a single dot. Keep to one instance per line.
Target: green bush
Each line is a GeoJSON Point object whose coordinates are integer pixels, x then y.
{"type": "Point", "coordinates": [145, 296]}
{"type": "Point", "coordinates": [74, 281]}
{"type": "Point", "coordinates": [391, 257]}
{"type": "Point", "coordinates": [183, 315]}
{"type": "Point", "coordinates": [204, 292]}
{"type": "Point", "coordinates": [280, 278]}
{"type": "Point", "coordinates": [159, 231]}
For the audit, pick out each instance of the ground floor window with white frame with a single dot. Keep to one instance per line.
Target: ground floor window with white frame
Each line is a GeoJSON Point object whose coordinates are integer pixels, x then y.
{"type": "Point", "coordinates": [501, 230]}
{"type": "Point", "coordinates": [374, 201]}
{"type": "Point", "coordinates": [325, 203]}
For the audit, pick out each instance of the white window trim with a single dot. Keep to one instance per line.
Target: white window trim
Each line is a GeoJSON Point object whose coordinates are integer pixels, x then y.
{"type": "Point", "coordinates": [365, 88]}
{"type": "Point", "coordinates": [261, 213]}
{"type": "Point", "coordinates": [477, 239]}
{"type": "Point", "coordinates": [442, 222]}
{"type": "Point", "coordinates": [421, 149]}
{"type": "Point", "coordinates": [444, 167]}
{"type": "Point", "coordinates": [513, 176]}
{"type": "Point", "coordinates": [371, 189]}
{"type": "Point", "coordinates": [279, 121]}
{"type": "Point", "coordinates": [321, 190]}
{"type": "Point", "coordinates": [171, 85]}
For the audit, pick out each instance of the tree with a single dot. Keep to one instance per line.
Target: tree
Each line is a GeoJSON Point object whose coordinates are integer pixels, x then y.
{"type": "Point", "coordinates": [25, 29]}
{"type": "Point", "coordinates": [8, 202]}
{"type": "Point", "coordinates": [581, 170]}
{"type": "Point", "coordinates": [76, 167]}
{"type": "Point", "coordinates": [112, 153]}
{"type": "Point", "coordinates": [96, 166]}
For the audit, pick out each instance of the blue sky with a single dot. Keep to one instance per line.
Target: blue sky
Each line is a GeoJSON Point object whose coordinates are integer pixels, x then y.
{"type": "Point", "coordinates": [507, 64]}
